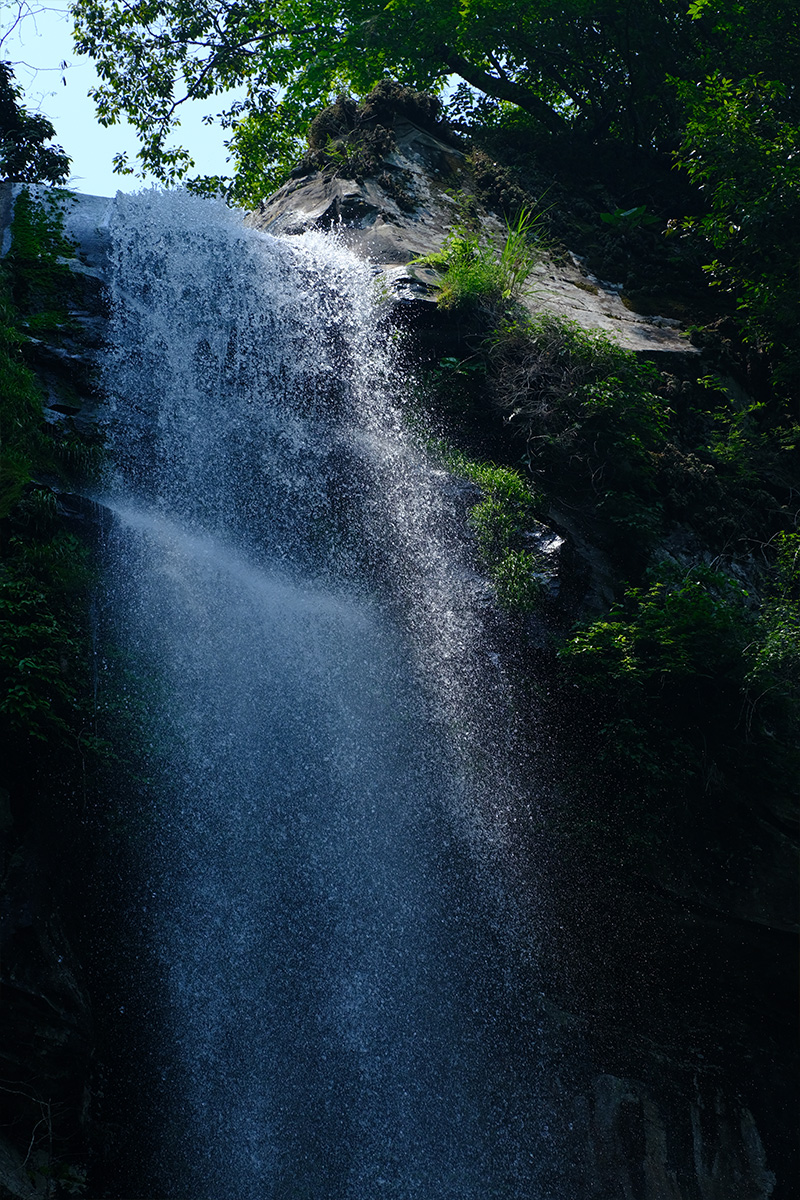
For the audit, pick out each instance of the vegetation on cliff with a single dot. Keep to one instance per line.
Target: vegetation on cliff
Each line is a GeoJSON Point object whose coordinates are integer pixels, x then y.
{"type": "Point", "coordinates": [46, 714]}
{"type": "Point", "coordinates": [682, 685]}
{"type": "Point", "coordinates": [43, 653]}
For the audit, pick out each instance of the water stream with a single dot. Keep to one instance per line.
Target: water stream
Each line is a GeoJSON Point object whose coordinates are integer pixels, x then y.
{"type": "Point", "coordinates": [325, 887]}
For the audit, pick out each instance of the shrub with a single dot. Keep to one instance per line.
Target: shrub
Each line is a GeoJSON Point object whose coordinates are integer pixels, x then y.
{"type": "Point", "coordinates": [474, 271]}
{"type": "Point", "coordinates": [588, 412]}
{"type": "Point", "coordinates": [665, 673]}
{"type": "Point", "coordinates": [774, 675]}
{"type": "Point", "coordinates": [501, 518]}
{"type": "Point", "coordinates": [742, 146]}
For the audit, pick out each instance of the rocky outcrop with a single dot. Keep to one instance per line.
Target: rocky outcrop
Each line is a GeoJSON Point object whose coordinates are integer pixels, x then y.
{"type": "Point", "coordinates": [405, 210]}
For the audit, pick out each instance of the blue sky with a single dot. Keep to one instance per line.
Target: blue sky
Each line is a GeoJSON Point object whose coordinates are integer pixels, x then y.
{"type": "Point", "coordinates": [36, 49]}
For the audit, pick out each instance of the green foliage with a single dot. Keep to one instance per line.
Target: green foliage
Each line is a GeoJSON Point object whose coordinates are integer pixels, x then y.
{"type": "Point", "coordinates": [665, 673]}
{"type": "Point", "coordinates": [591, 69]}
{"type": "Point", "coordinates": [37, 262]}
{"type": "Point", "coordinates": [267, 139]}
{"type": "Point", "coordinates": [33, 281]}
{"type": "Point", "coordinates": [476, 273]}
{"type": "Point", "coordinates": [24, 155]}
{"type": "Point", "coordinates": [501, 520]}
{"type": "Point", "coordinates": [44, 572]}
{"type": "Point", "coordinates": [496, 187]}
{"type": "Point", "coordinates": [692, 689]}
{"type": "Point", "coordinates": [774, 676]}
{"type": "Point", "coordinates": [742, 144]}
{"type": "Point", "coordinates": [20, 408]}
{"type": "Point", "coordinates": [518, 254]}
{"type": "Point", "coordinates": [518, 580]}
{"type": "Point", "coordinates": [588, 412]}
{"type": "Point", "coordinates": [470, 268]}
{"type": "Point", "coordinates": [38, 660]}
{"type": "Point", "coordinates": [680, 628]}
{"type": "Point", "coordinates": [716, 77]}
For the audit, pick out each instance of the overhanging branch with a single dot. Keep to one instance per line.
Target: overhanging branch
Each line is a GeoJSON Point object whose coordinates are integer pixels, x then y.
{"type": "Point", "coordinates": [504, 89]}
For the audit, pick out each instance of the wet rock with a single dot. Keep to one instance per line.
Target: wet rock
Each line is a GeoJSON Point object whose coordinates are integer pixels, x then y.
{"type": "Point", "coordinates": [642, 1149]}
{"type": "Point", "coordinates": [406, 209]}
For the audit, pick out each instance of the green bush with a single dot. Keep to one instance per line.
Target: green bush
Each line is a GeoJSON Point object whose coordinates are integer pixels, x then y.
{"type": "Point", "coordinates": [500, 520]}
{"type": "Point", "coordinates": [516, 575]}
{"type": "Point", "coordinates": [588, 413]}
{"type": "Point", "coordinates": [37, 694]}
{"type": "Point", "coordinates": [665, 674]}
{"type": "Point", "coordinates": [475, 272]}
{"type": "Point", "coordinates": [741, 144]}
{"type": "Point", "coordinates": [774, 675]}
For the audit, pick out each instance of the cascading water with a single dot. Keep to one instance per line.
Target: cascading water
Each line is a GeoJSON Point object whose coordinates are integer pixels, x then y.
{"type": "Point", "coordinates": [338, 1000]}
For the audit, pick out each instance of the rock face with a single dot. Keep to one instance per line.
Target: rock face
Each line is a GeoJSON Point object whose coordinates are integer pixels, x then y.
{"type": "Point", "coordinates": [46, 1023]}
{"type": "Point", "coordinates": [406, 210]}
{"type": "Point", "coordinates": [636, 1150]}
{"type": "Point", "coordinates": [656, 1121]}
{"type": "Point", "coordinates": [46, 1036]}
{"type": "Point", "coordinates": [676, 1109]}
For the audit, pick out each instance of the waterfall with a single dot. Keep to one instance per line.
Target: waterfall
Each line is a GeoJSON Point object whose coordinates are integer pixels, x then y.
{"type": "Point", "coordinates": [339, 998]}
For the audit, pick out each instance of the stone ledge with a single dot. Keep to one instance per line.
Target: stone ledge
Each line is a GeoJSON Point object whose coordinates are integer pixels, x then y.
{"type": "Point", "coordinates": [376, 226]}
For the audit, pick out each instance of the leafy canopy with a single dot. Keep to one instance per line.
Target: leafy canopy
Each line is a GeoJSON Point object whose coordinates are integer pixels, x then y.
{"type": "Point", "coordinates": [25, 156]}
{"type": "Point", "coordinates": [599, 66]}
{"type": "Point", "coordinates": [711, 82]}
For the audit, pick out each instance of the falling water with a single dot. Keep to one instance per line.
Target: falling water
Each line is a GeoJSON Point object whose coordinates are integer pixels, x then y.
{"type": "Point", "coordinates": [338, 1005]}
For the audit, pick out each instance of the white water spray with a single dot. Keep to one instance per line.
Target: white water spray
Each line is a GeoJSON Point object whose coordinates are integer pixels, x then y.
{"type": "Point", "coordinates": [336, 947]}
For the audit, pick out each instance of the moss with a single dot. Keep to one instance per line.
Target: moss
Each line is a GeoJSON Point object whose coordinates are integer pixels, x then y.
{"type": "Point", "coordinates": [45, 570]}
{"type": "Point", "coordinates": [497, 187]}
{"type": "Point", "coordinates": [42, 284]}
{"type": "Point", "coordinates": [501, 518]}
{"type": "Point", "coordinates": [379, 107]}
{"type": "Point", "coordinates": [351, 139]}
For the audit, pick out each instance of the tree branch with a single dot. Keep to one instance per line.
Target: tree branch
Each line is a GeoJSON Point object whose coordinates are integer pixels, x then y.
{"type": "Point", "coordinates": [504, 89]}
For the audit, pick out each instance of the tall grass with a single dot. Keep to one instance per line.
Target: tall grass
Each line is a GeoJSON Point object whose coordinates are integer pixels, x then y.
{"type": "Point", "coordinates": [475, 272]}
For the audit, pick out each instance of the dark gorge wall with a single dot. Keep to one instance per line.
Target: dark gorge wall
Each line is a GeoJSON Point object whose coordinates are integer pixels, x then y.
{"type": "Point", "coordinates": [53, 321]}
{"type": "Point", "coordinates": [662, 977]}
{"type": "Point", "coordinates": [670, 956]}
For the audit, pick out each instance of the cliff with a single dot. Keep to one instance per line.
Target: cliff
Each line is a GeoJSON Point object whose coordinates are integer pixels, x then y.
{"type": "Point", "coordinates": [668, 938]}
{"type": "Point", "coordinates": [685, 907]}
